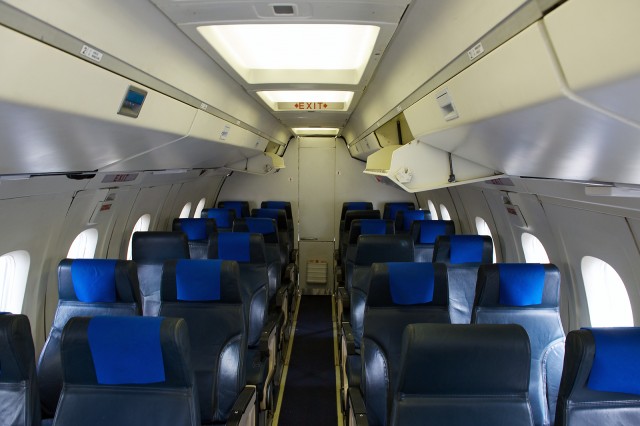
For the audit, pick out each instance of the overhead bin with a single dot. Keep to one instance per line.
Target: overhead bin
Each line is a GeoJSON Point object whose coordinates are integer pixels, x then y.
{"type": "Point", "coordinates": [364, 147]}
{"type": "Point", "coordinates": [261, 164]}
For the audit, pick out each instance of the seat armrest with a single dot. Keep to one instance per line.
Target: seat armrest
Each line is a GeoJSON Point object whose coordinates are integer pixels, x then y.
{"type": "Point", "coordinates": [243, 412]}
{"type": "Point", "coordinates": [281, 296]}
{"type": "Point", "coordinates": [347, 336]}
{"type": "Point", "coordinates": [268, 333]}
{"type": "Point", "coordinates": [343, 303]}
{"type": "Point", "coordinates": [357, 409]}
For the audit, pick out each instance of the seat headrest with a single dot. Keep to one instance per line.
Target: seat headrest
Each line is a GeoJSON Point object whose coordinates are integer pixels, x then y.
{"type": "Point", "coordinates": [384, 248]}
{"type": "Point", "coordinates": [223, 216]}
{"type": "Point", "coordinates": [458, 249]}
{"type": "Point", "coordinates": [405, 218]}
{"type": "Point", "coordinates": [426, 231]}
{"type": "Point", "coordinates": [369, 227]}
{"type": "Point", "coordinates": [201, 280]}
{"type": "Point", "coordinates": [463, 359]}
{"type": "Point", "coordinates": [17, 355]}
{"type": "Point", "coordinates": [518, 284]}
{"type": "Point", "coordinates": [279, 205]}
{"type": "Point", "coordinates": [258, 225]}
{"type": "Point", "coordinates": [391, 209]}
{"type": "Point", "coordinates": [241, 208]}
{"type": "Point", "coordinates": [279, 215]}
{"type": "Point", "coordinates": [615, 366]}
{"type": "Point", "coordinates": [352, 215]}
{"type": "Point", "coordinates": [98, 281]}
{"type": "Point", "coordinates": [408, 283]}
{"type": "Point", "coordinates": [159, 246]}
{"type": "Point", "coordinates": [153, 352]}
{"type": "Point", "coordinates": [355, 205]}
{"type": "Point", "coordinates": [243, 247]}
{"type": "Point", "coordinates": [195, 229]}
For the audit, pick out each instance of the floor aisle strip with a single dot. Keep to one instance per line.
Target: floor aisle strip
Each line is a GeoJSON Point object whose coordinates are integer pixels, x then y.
{"type": "Point", "coordinates": [285, 369]}
{"type": "Point", "coordinates": [336, 361]}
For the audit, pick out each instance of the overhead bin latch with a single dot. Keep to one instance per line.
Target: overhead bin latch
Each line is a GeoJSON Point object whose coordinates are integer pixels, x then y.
{"type": "Point", "coordinates": [446, 105]}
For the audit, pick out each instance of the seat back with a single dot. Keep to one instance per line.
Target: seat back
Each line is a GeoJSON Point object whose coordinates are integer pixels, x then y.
{"type": "Point", "coordinates": [248, 250]}
{"type": "Point", "coordinates": [19, 402]}
{"type": "Point", "coordinates": [286, 234]}
{"type": "Point", "coordinates": [86, 287]}
{"type": "Point", "coordinates": [241, 208]}
{"type": "Point", "coordinates": [345, 227]}
{"type": "Point", "coordinates": [425, 232]}
{"type": "Point", "coordinates": [463, 249]}
{"type": "Point", "coordinates": [462, 375]}
{"type": "Point", "coordinates": [391, 209]}
{"type": "Point", "coordinates": [150, 250]}
{"type": "Point", "coordinates": [206, 294]}
{"type": "Point", "coordinates": [400, 294]}
{"type": "Point", "coordinates": [139, 377]}
{"type": "Point", "coordinates": [223, 216]}
{"type": "Point", "coordinates": [197, 231]}
{"type": "Point", "coordinates": [364, 227]}
{"type": "Point", "coordinates": [601, 378]}
{"type": "Point", "coordinates": [528, 295]}
{"type": "Point", "coordinates": [354, 205]}
{"type": "Point", "coordinates": [404, 219]}
{"type": "Point", "coordinates": [286, 206]}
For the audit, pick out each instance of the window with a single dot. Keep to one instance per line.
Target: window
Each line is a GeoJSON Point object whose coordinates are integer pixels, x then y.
{"type": "Point", "coordinates": [483, 229]}
{"type": "Point", "coordinates": [199, 208]}
{"type": "Point", "coordinates": [84, 246]}
{"type": "Point", "coordinates": [534, 251]}
{"type": "Point", "coordinates": [607, 297]}
{"type": "Point", "coordinates": [185, 211]}
{"type": "Point", "coordinates": [444, 212]}
{"type": "Point", "coordinates": [432, 209]}
{"type": "Point", "coordinates": [14, 269]}
{"type": "Point", "coordinates": [142, 225]}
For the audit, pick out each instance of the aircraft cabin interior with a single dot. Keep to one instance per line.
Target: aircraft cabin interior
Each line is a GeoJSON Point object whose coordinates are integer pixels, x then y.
{"type": "Point", "coordinates": [319, 212]}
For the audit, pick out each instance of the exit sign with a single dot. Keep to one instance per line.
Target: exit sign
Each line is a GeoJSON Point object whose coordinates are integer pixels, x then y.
{"type": "Point", "coordinates": [310, 106]}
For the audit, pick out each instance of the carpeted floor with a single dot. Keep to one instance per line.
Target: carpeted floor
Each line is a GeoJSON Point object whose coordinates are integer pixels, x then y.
{"type": "Point", "coordinates": [310, 389]}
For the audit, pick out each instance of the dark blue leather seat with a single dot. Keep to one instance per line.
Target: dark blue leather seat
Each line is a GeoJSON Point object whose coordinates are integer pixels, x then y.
{"type": "Point", "coordinates": [224, 217]}
{"type": "Point", "coordinates": [461, 375]}
{"type": "Point", "coordinates": [206, 293]}
{"type": "Point", "coordinates": [364, 227]}
{"type": "Point", "coordinates": [197, 231]}
{"type": "Point", "coordinates": [241, 208]}
{"type": "Point", "coordinates": [150, 250]}
{"type": "Point", "coordinates": [285, 235]}
{"type": "Point", "coordinates": [86, 287]}
{"type": "Point", "coordinates": [345, 227]}
{"type": "Point", "coordinates": [286, 206]}
{"type": "Point", "coordinates": [404, 219]}
{"type": "Point", "coordinates": [399, 294]}
{"type": "Point", "coordinates": [354, 205]}
{"type": "Point", "coordinates": [425, 232]}
{"type": "Point", "coordinates": [391, 209]}
{"type": "Point", "coordinates": [601, 378]}
{"type": "Point", "coordinates": [463, 255]}
{"type": "Point", "coordinates": [528, 295]}
{"type": "Point", "coordinates": [138, 377]}
{"type": "Point", "coordinates": [19, 401]}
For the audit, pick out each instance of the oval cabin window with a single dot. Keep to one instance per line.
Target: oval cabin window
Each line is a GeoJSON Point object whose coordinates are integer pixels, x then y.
{"type": "Point", "coordinates": [534, 251]}
{"type": "Point", "coordinates": [444, 212]}
{"type": "Point", "coordinates": [84, 246]}
{"type": "Point", "coordinates": [483, 229]}
{"type": "Point", "coordinates": [199, 208]}
{"type": "Point", "coordinates": [184, 213]}
{"type": "Point", "coordinates": [141, 225]}
{"type": "Point", "coordinates": [14, 269]}
{"type": "Point", "coordinates": [432, 209]}
{"type": "Point", "coordinates": [607, 296]}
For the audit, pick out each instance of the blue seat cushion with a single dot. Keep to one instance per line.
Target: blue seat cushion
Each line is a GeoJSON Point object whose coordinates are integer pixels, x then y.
{"type": "Point", "coordinates": [466, 249]}
{"type": "Point", "coordinates": [430, 230]}
{"type": "Point", "coordinates": [198, 280]}
{"type": "Point", "coordinates": [357, 205]}
{"type": "Point", "coordinates": [373, 226]}
{"type": "Point", "coordinates": [615, 364]}
{"type": "Point", "coordinates": [222, 217]}
{"type": "Point", "coordinates": [394, 208]}
{"type": "Point", "coordinates": [410, 215]}
{"type": "Point", "coordinates": [195, 229]}
{"type": "Point", "coordinates": [126, 350]}
{"type": "Point", "coordinates": [411, 283]}
{"type": "Point", "coordinates": [521, 284]}
{"type": "Point", "coordinates": [260, 225]}
{"type": "Point", "coordinates": [94, 280]}
{"type": "Point", "coordinates": [234, 246]}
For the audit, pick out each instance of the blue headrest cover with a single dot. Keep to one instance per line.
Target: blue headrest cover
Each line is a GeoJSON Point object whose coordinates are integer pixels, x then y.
{"type": "Point", "coordinates": [521, 284]}
{"type": "Point", "coordinates": [430, 230]}
{"type": "Point", "coordinates": [373, 226]}
{"type": "Point", "coordinates": [234, 246]}
{"type": "Point", "coordinates": [94, 280]}
{"type": "Point", "coordinates": [615, 364]}
{"type": "Point", "coordinates": [195, 229]}
{"type": "Point", "coordinates": [126, 350]}
{"type": "Point", "coordinates": [280, 205]}
{"type": "Point", "coordinates": [198, 280]}
{"type": "Point", "coordinates": [235, 205]}
{"type": "Point", "coordinates": [410, 215]}
{"type": "Point", "coordinates": [466, 248]}
{"type": "Point", "coordinates": [411, 283]}
{"type": "Point", "coordinates": [222, 217]}
{"type": "Point", "coordinates": [260, 225]}
{"type": "Point", "coordinates": [394, 208]}
{"type": "Point", "coordinates": [357, 205]}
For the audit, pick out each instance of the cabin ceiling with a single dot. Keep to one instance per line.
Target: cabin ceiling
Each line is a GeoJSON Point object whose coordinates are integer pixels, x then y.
{"type": "Point", "coordinates": [384, 16]}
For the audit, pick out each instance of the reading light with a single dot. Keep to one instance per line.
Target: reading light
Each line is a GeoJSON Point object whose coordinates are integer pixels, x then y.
{"type": "Point", "coordinates": [316, 131]}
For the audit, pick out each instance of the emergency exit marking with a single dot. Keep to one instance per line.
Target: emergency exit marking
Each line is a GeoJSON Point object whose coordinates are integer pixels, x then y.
{"type": "Point", "coordinates": [311, 106]}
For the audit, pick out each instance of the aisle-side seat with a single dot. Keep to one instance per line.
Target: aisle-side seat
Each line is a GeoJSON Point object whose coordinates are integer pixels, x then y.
{"type": "Point", "coordinates": [86, 287]}
{"type": "Point", "coordinates": [285, 234]}
{"type": "Point", "coordinates": [363, 227]}
{"type": "Point", "coordinates": [404, 219]}
{"type": "Point", "coordinates": [345, 227]}
{"type": "Point", "coordinates": [601, 378]}
{"type": "Point", "coordinates": [460, 375]}
{"type": "Point", "coordinates": [150, 250]}
{"type": "Point", "coordinates": [206, 293]}
{"type": "Point", "coordinates": [527, 295]}
{"type": "Point", "coordinates": [425, 233]}
{"type": "Point", "coordinates": [354, 205]}
{"type": "Point", "coordinates": [391, 209]}
{"type": "Point", "coordinates": [223, 216]}
{"type": "Point", "coordinates": [241, 208]}
{"type": "Point", "coordinates": [286, 206]}
{"type": "Point", "coordinates": [403, 296]}
{"type": "Point", "coordinates": [19, 400]}
{"type": "Point", "coordinates": [197, 231]}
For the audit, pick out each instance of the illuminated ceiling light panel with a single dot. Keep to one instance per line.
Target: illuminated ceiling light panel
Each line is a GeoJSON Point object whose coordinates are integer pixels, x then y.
{"type": "Point", "coordinates": [316, 131]}
{"type": "Point", "coordinates": [307, 100]}
{"type": "Point", "coordinates": [294, 53]}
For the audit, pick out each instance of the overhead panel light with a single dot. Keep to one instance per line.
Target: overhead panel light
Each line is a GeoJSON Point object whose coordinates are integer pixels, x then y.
{"type": "Point", "coordinates": [294, 53]}
{"type": "Point", "coordinates": [316, 131]}
{"type": "Point", "coordinates": [307, 100]}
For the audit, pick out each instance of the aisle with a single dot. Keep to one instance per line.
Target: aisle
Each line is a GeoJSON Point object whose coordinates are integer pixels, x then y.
{"type": "Point", "coordinates": [310, 385]}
